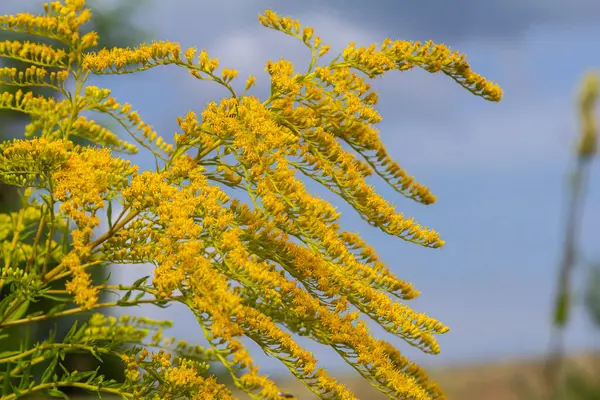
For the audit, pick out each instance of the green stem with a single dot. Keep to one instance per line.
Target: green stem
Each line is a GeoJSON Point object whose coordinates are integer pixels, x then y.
{"type": "Point", "coordinates": [54, 273]}
{"type": "Point", "coordinates": [81, 385]}
{"type": "Point", "coordinates": [73, 311]}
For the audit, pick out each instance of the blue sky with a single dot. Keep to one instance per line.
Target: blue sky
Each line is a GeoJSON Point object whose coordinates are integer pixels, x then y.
{"type": "Point", "coordinates": [499, 170]}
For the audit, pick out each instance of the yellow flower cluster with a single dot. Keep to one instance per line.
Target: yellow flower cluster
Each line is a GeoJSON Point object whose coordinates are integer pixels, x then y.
{"type": "Point", "coordinates": [80, 286]}
{"type": "Point", "coordinates": [431, 57]}
{"type": "Point", "coordinates": [32, 76]}
{"type": "Point", "coordinates": [45, 112]}
{"type": "Point", "coordinates": [182, 258]}
{"type": "Point", "coordinates": [181, 376]}
{"type": "Point", "coordinates": [146, 56]}
{"type": "Point", "coordinates": [279, 264]}
{"type": "Point", "coordinates": [180, 262]}
{"type": "Point", "coordinates": [81, 179]}
{"type": "Point", "coordinates": [316, 274]}
{"type": "Point", "coordinates": [85, 180]}
{"type": "Point", "coordinates": [136, 59]}
{"type": "Point", "coordinates": [31, 163]}
{"type": "Point", "coordinates": [100, 100]}
{"type": "Point", "coordinates": [41, 54]}
{"type": "Point", "coordinates": [61, 22]}
{"type": "Point", "coordinates": [91, 129]}
{"type": "Point", "coordinates": [102, 328]}
{"type": "Point", "coordinates": [186, 376]}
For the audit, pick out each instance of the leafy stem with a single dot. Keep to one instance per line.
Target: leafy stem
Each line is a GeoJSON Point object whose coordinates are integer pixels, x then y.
{"type": "Point", "coordinates": [77, 310]}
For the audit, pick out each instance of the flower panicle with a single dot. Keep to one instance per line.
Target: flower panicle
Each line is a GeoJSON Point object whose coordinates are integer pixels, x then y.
{"type": "Point", "coordinates": [277, 265]}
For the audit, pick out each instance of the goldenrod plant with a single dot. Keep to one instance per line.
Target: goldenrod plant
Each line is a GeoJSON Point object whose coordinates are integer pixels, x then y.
{"type": "Point", "coordinates": [265, 269]}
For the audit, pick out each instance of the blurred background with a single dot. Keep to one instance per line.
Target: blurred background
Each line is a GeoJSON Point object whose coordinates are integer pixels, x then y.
{"type": "Point", "coordinates": [500, 170]}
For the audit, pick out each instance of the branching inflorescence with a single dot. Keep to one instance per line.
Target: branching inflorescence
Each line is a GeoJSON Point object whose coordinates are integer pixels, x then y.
{"type": "Point", "coordinates": [265, 270]}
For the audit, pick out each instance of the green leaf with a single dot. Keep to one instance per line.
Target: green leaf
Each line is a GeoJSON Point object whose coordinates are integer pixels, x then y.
{"type": "Point", "coordinates": [35, 314]}
{"type": "Point", "coordinates": [140, 281]}
{"type": "Point", "coordinates": [71, 333]}
{"type": "Point", "coordinates": [50, 369]}
{"type": "Point", "coordinates": [126, 296]}
{"type": "Point", "coordinates": [6, 302]}
{"type": "Point", "coordinates": [51, 335]}
{"type": "Point", "coordinates": [8, 353]}
{"type": "Point", "coordinates": [26, 377]}
{"type": "Point", "coordinates": [56, 309]}
{"type": "Point", "coordinates": [92, 375]}
{"type": "Point", "coordinates": [6, 380]}
{"type": "Point", "coordinates": [54, 392]}
{"type": "Point", "coordinates": [109, 214]}
{"type": "Point", "coordinates": [96, 356]}
{"type": "Point", "coordinates": [61, 299]}
{"type": "Point", "coordinates": [107, 279]}
{"type": "Point", "coordinates": [19, 311]}
{"type": "Point", "coordinates": [121, 303]}
{"type": "Point", "coordinates": [64, 369]}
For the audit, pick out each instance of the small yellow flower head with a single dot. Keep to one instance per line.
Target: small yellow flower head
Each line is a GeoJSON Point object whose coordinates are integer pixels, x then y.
{"type": "Point", "coordinates": [250, 82]}
{"type": "Point", "coordinates": [119, 60]}
{"type": "Point", "coordinates": [229, 74]}
{"type": "Point", "coordinates": [88, 40]}
{"type": "Point", "coordinates": [317, 42]}
{"type": "Point", "coordinates": [189, 54]}
{"type": "Point", "coordinates": [203, 59]}
{"type": "Point", "coordinates": [324, 50]}
{"type": "Point", "coordinates": [80, 286]}
{"type": "Point", "coordinates": [307, 34]}
{"type": "Point", "coordinates": [42, 54]}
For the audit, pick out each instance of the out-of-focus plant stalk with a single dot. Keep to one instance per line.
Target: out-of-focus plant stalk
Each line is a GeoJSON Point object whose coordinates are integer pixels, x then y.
{"type": "Point", "coordinates": [586, 150]}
